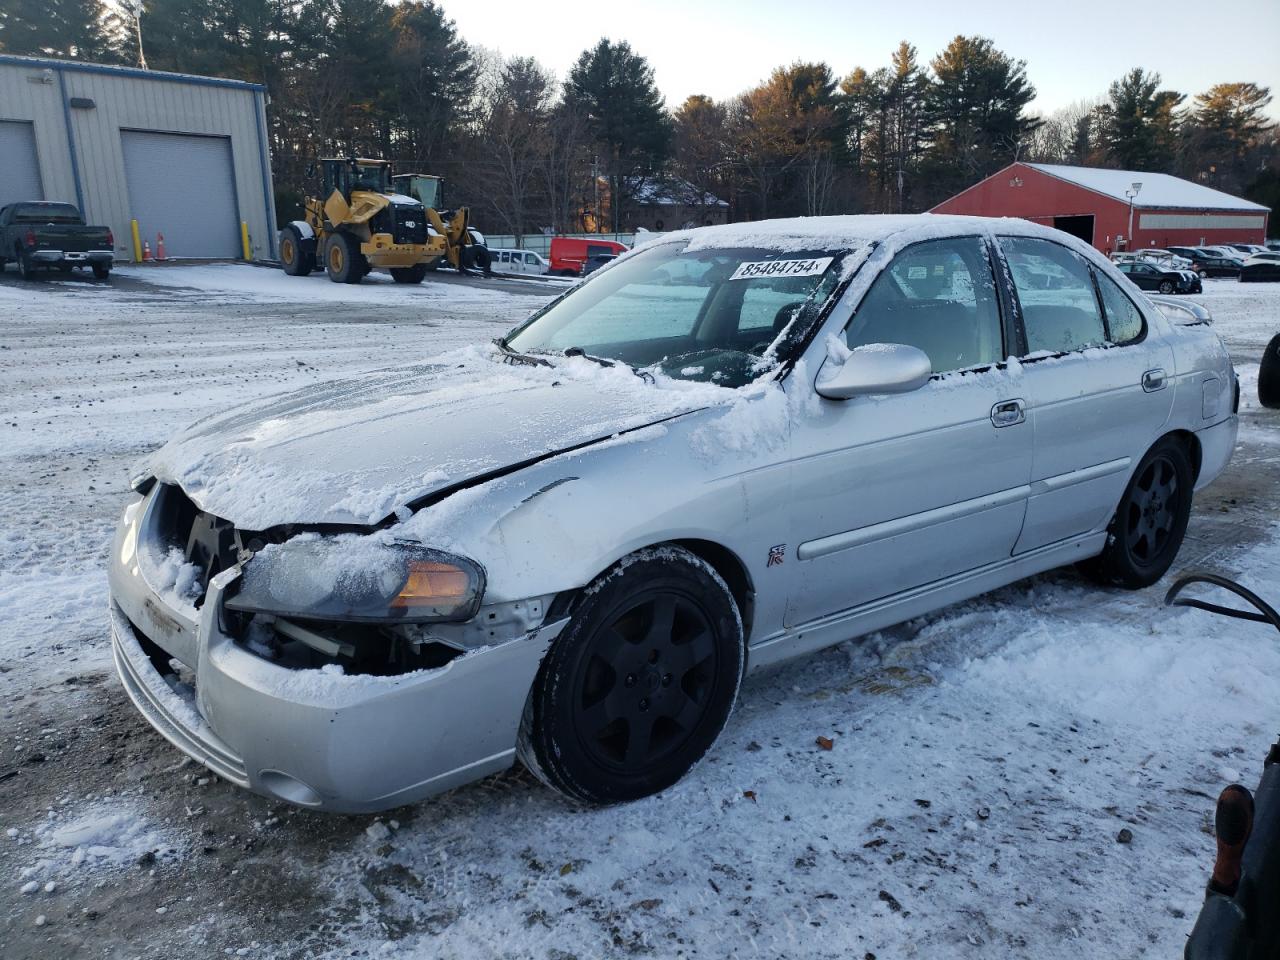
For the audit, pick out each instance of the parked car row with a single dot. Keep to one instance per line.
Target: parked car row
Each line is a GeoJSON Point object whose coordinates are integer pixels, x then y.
{"type": "Point", "coordinates": [1164, 269]}
{"type": "Point", "coordinates": [40, 235]}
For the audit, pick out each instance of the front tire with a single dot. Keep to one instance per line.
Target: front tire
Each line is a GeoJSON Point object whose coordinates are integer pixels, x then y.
{"type": "Point", "coordinates": [1166, 286]}
{"type": "Point", "coordinates": [1147, 530]}
{"type": "Point", "coordinates": [414, 274]}
{"type": "Point", "coordinates": [343, 261]}
{"type": "Point", "coordinates": [639, 684]}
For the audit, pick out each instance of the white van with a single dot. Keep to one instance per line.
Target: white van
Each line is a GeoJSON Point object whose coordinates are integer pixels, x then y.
{"type": "Point", "coordinates": [519, 261]}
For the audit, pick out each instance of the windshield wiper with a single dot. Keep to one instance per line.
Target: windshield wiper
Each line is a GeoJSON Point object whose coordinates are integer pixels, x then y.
{"type": "Point", "coordinates": [644, 375]}
{"type": "Point", "coordinates": [515, 356]}
{"type": "Point", "coordinates": [579, 352]}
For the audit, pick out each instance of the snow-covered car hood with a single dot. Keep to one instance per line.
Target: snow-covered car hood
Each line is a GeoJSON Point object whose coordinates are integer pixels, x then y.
{"type": "Point", "coordinates": [355, 451]}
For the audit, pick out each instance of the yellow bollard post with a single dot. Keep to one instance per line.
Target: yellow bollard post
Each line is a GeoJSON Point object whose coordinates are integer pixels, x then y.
{"type": "Point", "coordinates": [244, 240]}
{"type": "Point", "coordinates": [137, 242]}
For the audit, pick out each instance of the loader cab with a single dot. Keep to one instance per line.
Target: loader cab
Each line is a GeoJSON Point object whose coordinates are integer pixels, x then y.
{"type": "Point", "coordinates": [423, 187]}
{"type": "Point", "coordinates": [348, 174]}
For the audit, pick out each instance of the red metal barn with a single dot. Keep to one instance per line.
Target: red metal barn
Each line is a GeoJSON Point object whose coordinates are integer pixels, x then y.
{"type": "Point", "coordinates": [1094, 204]}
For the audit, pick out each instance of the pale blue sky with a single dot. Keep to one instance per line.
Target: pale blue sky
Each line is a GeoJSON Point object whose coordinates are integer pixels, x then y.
{"type": "Point", "coordinates": [720, 47]}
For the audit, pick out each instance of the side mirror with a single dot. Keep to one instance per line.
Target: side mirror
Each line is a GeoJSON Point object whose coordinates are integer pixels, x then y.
{"type": "Point", "coordinates": [875, 368]}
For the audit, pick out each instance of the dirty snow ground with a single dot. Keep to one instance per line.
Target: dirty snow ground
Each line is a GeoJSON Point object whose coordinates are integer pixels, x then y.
{"type": "Point", "coordinates": [985, 758]}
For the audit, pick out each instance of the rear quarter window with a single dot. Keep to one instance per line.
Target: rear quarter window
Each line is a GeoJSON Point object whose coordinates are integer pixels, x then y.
{"type": "Point", "coordinates": [1124, 320]}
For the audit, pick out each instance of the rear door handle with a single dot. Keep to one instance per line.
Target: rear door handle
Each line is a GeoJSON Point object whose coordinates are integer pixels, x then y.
{"type": "Point", "coordinates": [1154, 380]}
{"type": "Point", "coordinates": [1006, 413]}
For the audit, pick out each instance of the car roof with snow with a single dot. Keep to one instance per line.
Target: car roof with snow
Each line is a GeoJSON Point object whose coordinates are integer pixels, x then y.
{"type": "Point", "coordinates": [843, 232]}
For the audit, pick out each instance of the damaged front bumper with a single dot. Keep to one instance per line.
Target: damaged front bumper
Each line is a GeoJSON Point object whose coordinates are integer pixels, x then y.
{"type": "Point", "coordinates": [313, 737]}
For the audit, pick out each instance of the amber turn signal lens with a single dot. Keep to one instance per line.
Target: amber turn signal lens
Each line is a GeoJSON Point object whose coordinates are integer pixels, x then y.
{"type": "Point", "coordinates": [430, 582]}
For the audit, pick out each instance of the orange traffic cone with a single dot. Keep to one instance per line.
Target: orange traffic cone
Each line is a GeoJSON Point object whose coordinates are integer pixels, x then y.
{"type": "Point", "coordinates": [146, 250]}
{"type": "Point", "coordinates": [159, 246]}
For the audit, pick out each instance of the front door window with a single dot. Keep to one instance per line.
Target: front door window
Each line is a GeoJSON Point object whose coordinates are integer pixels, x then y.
{"type": "Point", "coordinates": [939, 296]}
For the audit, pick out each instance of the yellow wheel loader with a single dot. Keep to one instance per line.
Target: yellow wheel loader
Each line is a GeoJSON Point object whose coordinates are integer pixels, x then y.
{"type": "Point", "coordinates": [466, 250]}
{"type": "Point", "coordinates": [358, 224]}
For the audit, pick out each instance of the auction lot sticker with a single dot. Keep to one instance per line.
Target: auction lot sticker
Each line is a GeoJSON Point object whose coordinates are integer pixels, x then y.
{"type": "Point", "coordinates": [781, 268]}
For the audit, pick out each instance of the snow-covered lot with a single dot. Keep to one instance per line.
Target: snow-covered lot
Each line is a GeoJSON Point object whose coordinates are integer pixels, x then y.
{"type": "Point", "coordinates": [985, 758]}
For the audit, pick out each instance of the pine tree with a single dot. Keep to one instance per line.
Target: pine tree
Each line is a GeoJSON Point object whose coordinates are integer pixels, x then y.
{"type": "Point", "coordinates": [431, 78]}
{"type": "Point", "coordinates": [1228, 134]}
{"type": "Point", "coordinates": [977, 105]}
{"type": "Point", "coordinates": [66, 29]}
{"type": "Point", "coordinates": [701, 146]}
{"type": "Point", "coordinates": [1143, 130]}
{"type": "Point", "coordinates": [614, 89]}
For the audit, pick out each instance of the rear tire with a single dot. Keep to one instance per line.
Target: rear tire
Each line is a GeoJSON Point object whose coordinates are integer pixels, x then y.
{"type": "Point", "coordinates": [1269, 375]}
{"type": "Point", "coordinates": [297, 253]}
{"type": "Point", "coordinates": [414, 274]}
{"type": "Point", "coordinates": [1146, 532]}
{"type": "Point", "coordinates": [101, 271]}
{"type": "Point", "coordinates": [26, 266]}
{"type": "Point", "coordinates": [343, 261]}
{"type": "Point", "coordinates": [639, 684]}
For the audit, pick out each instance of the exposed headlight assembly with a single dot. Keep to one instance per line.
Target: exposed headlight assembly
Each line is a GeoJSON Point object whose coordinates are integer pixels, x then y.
{"type": "Point", "coordinates": [359, 579]}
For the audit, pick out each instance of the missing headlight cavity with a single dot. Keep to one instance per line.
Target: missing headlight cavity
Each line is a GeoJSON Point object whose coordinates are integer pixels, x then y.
{"type": "Point", "coordinates": [358, 648]}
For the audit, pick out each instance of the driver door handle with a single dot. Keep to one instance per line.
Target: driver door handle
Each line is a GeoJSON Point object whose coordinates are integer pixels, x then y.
{"type": "Point", "coordinates": [1007, 413]}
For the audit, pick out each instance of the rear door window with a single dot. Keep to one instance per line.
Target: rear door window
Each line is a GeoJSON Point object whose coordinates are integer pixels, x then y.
{"type": "Point", "coordinates": [1060, 309]}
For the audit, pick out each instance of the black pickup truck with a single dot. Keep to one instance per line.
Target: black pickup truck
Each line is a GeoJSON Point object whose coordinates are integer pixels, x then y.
{"type": "Point", "coordinates": [36, 234]}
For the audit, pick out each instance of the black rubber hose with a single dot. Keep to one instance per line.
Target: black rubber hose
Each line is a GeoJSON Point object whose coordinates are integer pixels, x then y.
{"type": "Point", "coordinates": [1267, 614]}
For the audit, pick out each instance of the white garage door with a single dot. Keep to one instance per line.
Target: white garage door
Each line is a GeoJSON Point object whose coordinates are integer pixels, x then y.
{"type": "Point", "coordinates": [21, 171]}
{"type": "Point", "coordinates": [182, 186]}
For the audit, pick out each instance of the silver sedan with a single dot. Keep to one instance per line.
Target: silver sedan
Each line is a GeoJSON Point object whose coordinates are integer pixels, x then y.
{"type": "Point", "coordinates": [732, 446]}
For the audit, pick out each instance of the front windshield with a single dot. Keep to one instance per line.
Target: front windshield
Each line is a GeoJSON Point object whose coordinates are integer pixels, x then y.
{"type": "Point", "coordinates": [369, 176]}
{"type": "Point", "coordinates": [701, 314]}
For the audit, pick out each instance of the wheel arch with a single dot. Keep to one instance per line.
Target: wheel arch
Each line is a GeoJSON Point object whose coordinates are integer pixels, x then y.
{"type": "Point", "coordinates": [1191, 443]}
{"type": "Point", "coordinates": [720, 558]}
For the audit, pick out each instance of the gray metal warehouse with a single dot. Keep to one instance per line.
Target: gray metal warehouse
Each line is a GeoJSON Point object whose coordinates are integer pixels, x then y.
{"type": "Point", "coordinates": [184, 156]}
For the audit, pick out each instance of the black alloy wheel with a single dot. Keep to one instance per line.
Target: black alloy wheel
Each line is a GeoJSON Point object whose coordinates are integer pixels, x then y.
{"type": "Point", "coordinates": [1166, 286]}
{"type": "Point", "coordinates": [640, 682]}
{"type": "Point", "coordinates": [1151, 511]}
{"type": "Point", "coordinates": [646, 685]}
{"type": "Point", "coordinates": [1150, 522]}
